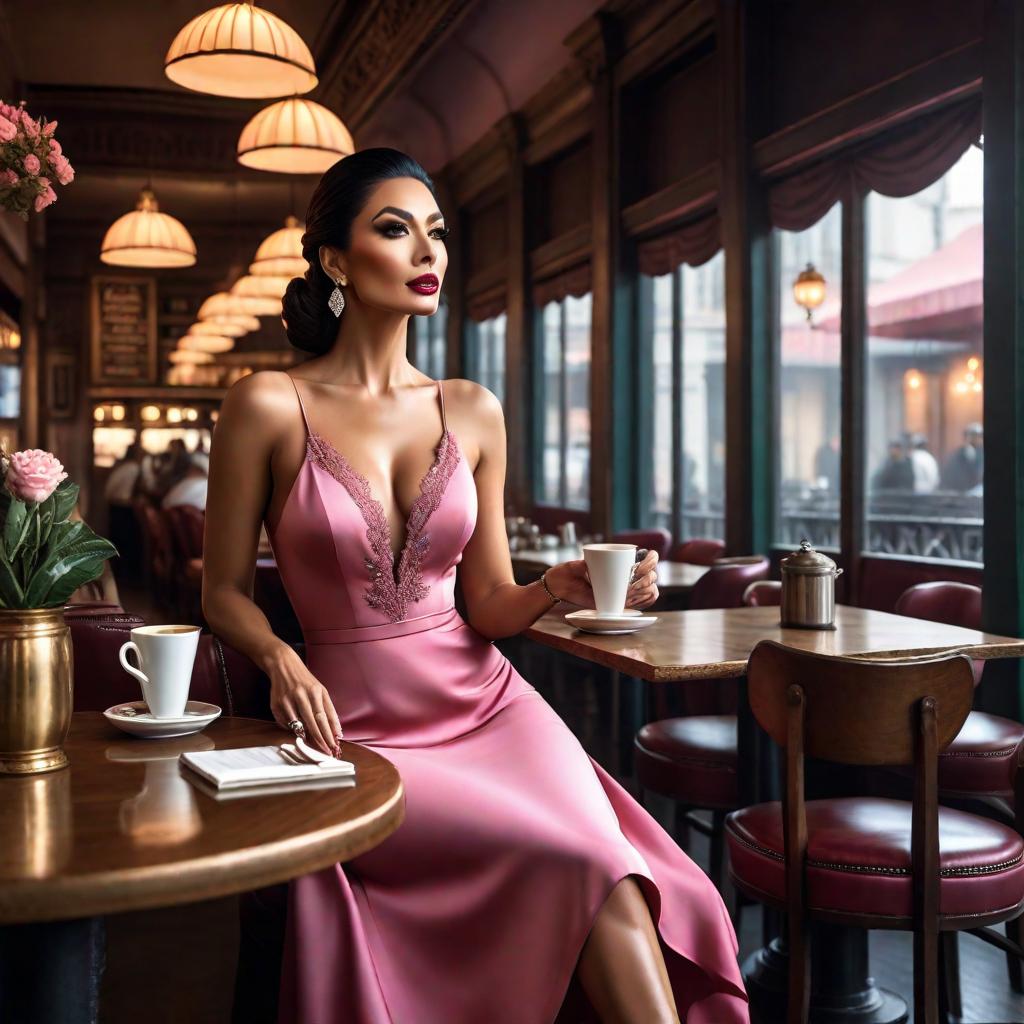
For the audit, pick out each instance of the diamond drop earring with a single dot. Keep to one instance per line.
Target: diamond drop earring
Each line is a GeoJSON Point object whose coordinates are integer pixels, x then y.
{"type": "Point", "coordinates": [336, 303]}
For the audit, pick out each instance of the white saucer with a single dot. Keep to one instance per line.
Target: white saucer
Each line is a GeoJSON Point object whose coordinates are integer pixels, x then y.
{"type": "Point", "coordinates": [198, 715]}
{"type": "Point", "coordinates": [592, 621]}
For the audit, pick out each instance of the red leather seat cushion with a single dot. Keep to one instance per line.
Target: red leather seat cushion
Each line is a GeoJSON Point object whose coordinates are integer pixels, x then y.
{"type": "Point", "coordinates": [858, 857]}
{"type": "Point", "coordinates": [693, 760]}
{"type": "Point", "coordinates": [984, 756]}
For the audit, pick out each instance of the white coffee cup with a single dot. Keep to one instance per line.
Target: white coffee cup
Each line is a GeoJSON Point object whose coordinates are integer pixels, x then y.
{"type": "Point", "coordinates": [610, 567]}
{"type": "Point", "coordinates": [166, 655]}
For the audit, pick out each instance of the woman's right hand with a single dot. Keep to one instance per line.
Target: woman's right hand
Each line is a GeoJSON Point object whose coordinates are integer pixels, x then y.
{"type": "Point", "coordinates": [295, 693]}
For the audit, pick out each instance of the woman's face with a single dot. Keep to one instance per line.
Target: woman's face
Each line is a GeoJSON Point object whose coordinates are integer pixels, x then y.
{"type": "Point", "coordinates": [396, 257]}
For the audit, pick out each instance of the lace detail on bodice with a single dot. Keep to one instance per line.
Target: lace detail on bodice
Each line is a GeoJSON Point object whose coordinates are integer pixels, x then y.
{"type": "Point", "coordinates": [386, 593]}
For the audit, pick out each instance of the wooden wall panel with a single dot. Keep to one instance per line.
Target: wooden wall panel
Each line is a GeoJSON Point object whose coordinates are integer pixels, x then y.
{"type": "Point", "coordinates": [486, 231]}
{"type": "Point", "coordinates": [559, 194]}
{"type": "Point", "coordinates": [820, 53]}
{"type": "Point", "coordinates": [670, 126]}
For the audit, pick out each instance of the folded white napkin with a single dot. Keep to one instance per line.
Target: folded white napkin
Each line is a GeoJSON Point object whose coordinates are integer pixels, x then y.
{"type": "Point", "coordinates": [260, 766]}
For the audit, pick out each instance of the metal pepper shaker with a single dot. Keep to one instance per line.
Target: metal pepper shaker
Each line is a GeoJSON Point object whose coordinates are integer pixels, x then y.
{"type": "Point", "coordinates": [808, 589]}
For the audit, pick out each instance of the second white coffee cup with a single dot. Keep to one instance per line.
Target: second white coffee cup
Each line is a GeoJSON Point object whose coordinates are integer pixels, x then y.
{"type": "Point", "coordinates": [610, 567]}
{"type": "Point", "coordinates": [166, 655]}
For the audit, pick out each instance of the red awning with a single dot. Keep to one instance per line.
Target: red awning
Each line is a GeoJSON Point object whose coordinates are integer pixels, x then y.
{"type": "Point", "coordinates": [938, 297]}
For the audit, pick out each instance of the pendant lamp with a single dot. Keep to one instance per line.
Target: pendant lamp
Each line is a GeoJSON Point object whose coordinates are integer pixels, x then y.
{"type": "Point", "coordinates": [148, 238]}
{"type": "Point", "coordinates": [222, 307]}
{"type": "Point", "coordinates": [294, 136]}
{"type": "Point", "coordinates": [280, 254]}
{"type": "Point", "coordinates": [261, 287]}
{"type": "Point", "coordinates": [189, 357]}
{"type": "Point", "coordinates": [205, 343]}
{"type": "Point", "coordinates": [243, 51]}
{"type": "Point", "coordinates": [256, 304]}
{"type": "Point", "coordinates": [228, 329]}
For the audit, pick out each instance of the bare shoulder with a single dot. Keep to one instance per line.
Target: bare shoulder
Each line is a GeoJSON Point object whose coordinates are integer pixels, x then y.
{"type": "Point", "coordinates": [473, 401]}
{"type": "Point", "coordinates": [261, 404]}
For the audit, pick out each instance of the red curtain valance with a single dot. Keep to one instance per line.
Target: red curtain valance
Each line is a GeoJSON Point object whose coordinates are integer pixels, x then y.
{"type": "Point", "coordinates": [486, 304]}
{"type": "Point", "coordinates": [575, 281]}
{"type": "Point", "coordinates": [693, 243]}
{"type": "Point", "coordinates": [899, 163]}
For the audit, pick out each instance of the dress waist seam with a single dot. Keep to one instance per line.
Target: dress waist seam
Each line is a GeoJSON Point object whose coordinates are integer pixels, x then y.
{"type": "Point", "coordinates": [380, 630]}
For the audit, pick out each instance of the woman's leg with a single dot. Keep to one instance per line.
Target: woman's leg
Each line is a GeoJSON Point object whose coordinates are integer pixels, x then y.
{"type": "Point", "coordinates": [621, 968]}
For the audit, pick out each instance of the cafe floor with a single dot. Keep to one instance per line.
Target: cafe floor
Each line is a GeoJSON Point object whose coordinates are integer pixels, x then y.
{"type": "Point", "coordinates": [201, 941]}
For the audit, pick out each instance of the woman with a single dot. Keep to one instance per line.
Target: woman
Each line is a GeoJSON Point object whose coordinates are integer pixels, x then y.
{"type": "Point", "coordinates": [520, 864]}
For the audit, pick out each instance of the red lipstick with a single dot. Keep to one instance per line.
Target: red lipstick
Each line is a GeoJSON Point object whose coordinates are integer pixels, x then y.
{"type": "Point", "coordinates": [425, 284]}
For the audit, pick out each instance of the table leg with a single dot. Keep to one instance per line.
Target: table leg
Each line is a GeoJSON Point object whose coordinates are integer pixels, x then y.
{"type": "Point", "coordinates": [51, 971]}
{"type": "Point", "coordinates": [842, 990]}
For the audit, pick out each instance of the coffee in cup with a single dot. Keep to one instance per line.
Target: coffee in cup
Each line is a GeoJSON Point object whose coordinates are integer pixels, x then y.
{"type": "Point", "coordinates": [610, 567]}
{"type": "Point", "coordinates": [166, 655]}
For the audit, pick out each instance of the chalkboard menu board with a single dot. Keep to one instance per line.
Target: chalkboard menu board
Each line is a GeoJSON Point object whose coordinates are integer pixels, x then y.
{"type": "Point", "coordinates": [124, 330]}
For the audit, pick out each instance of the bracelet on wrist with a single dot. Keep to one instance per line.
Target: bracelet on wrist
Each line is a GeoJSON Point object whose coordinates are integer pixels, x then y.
{"type": "Point", "coordinates": [544, 584]}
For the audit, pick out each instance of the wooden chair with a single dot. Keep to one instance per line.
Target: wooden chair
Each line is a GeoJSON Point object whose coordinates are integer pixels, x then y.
{"type": "Point", "coordinates": [698, 551]}
{"type": "Point", "coordinates": [869, 862]}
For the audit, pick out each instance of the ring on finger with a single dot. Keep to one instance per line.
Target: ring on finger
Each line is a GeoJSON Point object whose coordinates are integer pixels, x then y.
{"type": "Point", "coordinates": [297, 727]}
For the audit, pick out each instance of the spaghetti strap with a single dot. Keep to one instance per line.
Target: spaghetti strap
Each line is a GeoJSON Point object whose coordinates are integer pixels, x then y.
{"type": "Point", "coordinates": [444, 422]}
{"type": "Point", "coordinates": [302, 407]}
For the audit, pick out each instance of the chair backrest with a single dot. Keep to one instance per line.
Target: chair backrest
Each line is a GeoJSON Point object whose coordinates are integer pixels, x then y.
{"type": "Point", "coordinates": [656, 538]}
{"type": "Point", "coordinates": [186, 523]}
{"type": "Point", "coordinates": [857, 710]}
{"type": "Point", "coordinates": [763, 593]}
{"type": "Point", "coordinates": [956, 604]}
{"type": "Point", "coordinates": [699, 551]}
{"type": "Point", "coordinates": [725, 583]}
{"type": "Point", "coordinates": [159, 541]}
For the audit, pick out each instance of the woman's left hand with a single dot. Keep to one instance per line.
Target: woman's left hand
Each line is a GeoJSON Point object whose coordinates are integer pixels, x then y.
{"type": "Point", "coordinates": [570, 581]}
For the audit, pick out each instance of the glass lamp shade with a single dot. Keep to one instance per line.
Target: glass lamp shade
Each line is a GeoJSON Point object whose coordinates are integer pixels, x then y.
{"type": "Point", "coordinates": [261, 287]}
{"type": "Point", "coordinates": [240, 50]}
{"type": "Point", "coordinates": [223, 307]}
{"type": "Point", "coordinates": [257, 305]}
{"type": "Point", "coordinates": [189, 357]}
{"type": "Point", "coordinates": [809, 289]}
{"type": "Point", "coordinates": [226, 329]}
{"type": "Point", "coordinates": [148, 238]}
{"type": "Point", "coordinates": [280, 254]}
{"type": "Point", "coordinates": [294, 136]}
{"type": "Point", "coordinates": [205, 343]}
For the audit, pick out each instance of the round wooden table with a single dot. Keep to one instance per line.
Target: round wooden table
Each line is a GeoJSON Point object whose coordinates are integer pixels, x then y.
{"type": "Point", "coordinates": [123, 828]}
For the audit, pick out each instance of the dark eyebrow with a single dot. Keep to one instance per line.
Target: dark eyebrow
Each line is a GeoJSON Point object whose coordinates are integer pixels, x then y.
{"type": "Point", "coordinates": [406, 215]}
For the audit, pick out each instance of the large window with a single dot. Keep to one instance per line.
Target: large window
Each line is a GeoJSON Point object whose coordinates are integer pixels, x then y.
{"type": "Point", "coordinates": [564, 404]}
{"type": "Point", "coordinates": [485, 354]}
{"type": "Point", "coordinates": [925, 373]}
{"type": "Point", "coordinates": [430, 341]}
{"type": "Point", "coordinates": [683, 321]}
{"type": "Point", "coordinates": [808, 389]}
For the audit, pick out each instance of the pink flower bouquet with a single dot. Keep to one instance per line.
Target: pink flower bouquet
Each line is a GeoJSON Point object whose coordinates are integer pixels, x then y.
{"type": "Point", "coordinates": [31, 160]}
{"type": "Point", "coordinates": [44, 554]}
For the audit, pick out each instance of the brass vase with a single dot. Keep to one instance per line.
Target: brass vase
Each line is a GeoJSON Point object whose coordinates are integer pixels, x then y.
{"type": "Point", "coordinates": [35, 690]}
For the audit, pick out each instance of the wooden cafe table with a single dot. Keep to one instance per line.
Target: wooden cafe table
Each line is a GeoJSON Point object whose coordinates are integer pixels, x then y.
{"type": "Point", "coordinates": [715, 644]}
{"type": "Point", "coordinates": [122, 828]}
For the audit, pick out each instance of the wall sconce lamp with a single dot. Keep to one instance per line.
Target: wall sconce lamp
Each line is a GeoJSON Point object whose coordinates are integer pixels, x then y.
{"type": "Point", "coordinates": [809, 289]}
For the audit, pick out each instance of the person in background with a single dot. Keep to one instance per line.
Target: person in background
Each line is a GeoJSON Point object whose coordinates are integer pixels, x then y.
{"type": "Point", "coordinates": [191, 488]}
{"type": "Point", "coordinates": [897, 472]}
{"type": "Point", "coordinates": [826, 464]}
{"type": "Point", "coordinates": [965, 468]}
{"type": "Point", "coordinates": [925, 465]}
{"type": "Point", "coordinates": [120, 490]}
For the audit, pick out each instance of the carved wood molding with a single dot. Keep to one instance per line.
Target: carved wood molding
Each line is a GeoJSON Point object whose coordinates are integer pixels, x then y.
{"type": "Point", "coordinates": [365, 60]}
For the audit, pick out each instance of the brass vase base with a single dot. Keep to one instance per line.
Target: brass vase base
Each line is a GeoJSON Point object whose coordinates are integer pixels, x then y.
{"type": "Point", "coordinates": [31, 762]}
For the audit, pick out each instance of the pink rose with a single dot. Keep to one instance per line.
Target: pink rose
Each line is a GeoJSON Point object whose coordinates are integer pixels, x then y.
{"type": "Point", "coordinates": [8, 129]}
{"type": "Point", "coordinates": [8, 177]}
{"type": "Point", "coordinates": [33, 475]}
{"type": "Point", "coordinates": [31, 163]}
{"type": "Point", "coordinates": [44, 198]}
{"type": "Point", "coordinates": [49, 128]}
{"type": "Point", "coordinates": [15, 114]}
{"type": "Point", "coordinates": [55, 147]}
{"type": "Point", "coordinates": [63, 169]}
{"type": "Point", "coordinates": [31, 127]}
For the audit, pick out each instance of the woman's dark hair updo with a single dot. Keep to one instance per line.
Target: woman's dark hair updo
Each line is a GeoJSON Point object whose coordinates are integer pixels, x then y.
{"type": "Point", "coordinates": [339, 196]}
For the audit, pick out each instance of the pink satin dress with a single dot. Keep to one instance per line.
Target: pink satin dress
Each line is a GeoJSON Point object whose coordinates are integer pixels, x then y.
{"type": "Point", "coordinates": [476, 909]}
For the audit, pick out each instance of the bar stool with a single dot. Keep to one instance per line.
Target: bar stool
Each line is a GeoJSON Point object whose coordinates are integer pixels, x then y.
{"type": "Point", "coordinates": [870, 862]}
{"type": "Point", "coordinates": [699, 551]}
